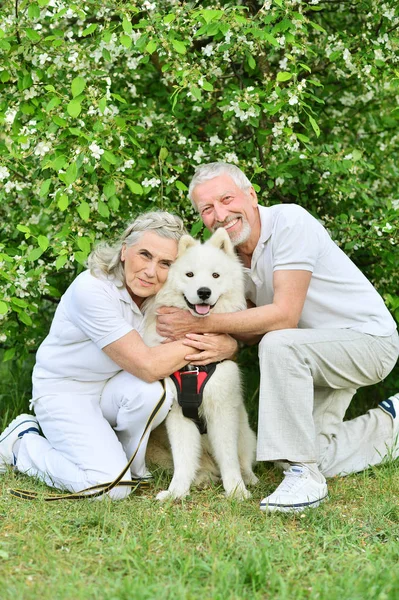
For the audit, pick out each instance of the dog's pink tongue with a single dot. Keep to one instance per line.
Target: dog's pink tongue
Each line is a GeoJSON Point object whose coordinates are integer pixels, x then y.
{"type": "Point", "coordinates": [202, 309]}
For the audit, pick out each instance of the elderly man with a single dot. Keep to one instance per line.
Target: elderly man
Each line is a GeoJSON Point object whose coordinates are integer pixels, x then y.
{"type": "Point", "coordinates": [324, 332]}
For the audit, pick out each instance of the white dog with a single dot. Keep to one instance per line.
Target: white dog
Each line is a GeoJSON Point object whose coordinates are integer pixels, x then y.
{"type": "Point", "coordinates": [207, 278]}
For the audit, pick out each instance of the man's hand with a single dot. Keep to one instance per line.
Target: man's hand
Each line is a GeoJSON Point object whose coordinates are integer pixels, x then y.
{"type": "Point", "coordinates": [175, 323]}
{"type": "Point", "coordinates": [213, 347]}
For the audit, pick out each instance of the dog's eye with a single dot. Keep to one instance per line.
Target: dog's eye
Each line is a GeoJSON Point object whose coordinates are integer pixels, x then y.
{"type": "Point", "coordinates": [215, 275]}
{"type": "Point", "coordinates": [190, 274]}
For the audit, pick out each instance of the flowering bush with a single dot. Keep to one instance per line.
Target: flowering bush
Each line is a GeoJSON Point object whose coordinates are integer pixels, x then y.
{"type": "Point", "coordinates": [107, 107]}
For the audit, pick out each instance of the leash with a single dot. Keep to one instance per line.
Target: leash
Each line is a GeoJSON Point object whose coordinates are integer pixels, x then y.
{"type": "Point", "coordinates": [102, 488]}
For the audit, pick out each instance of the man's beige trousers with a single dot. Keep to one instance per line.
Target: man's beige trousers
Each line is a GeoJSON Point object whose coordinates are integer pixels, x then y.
{"type": "Point", "coordinates": [308, 379]}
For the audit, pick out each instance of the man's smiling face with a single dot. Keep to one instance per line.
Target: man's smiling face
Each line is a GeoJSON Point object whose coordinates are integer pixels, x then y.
{"type": "Point", "coordinates": [221, 203]}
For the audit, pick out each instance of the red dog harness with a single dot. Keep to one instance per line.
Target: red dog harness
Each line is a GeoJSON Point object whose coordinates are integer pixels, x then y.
{"type": "Point", "coordinates": [190, 382]}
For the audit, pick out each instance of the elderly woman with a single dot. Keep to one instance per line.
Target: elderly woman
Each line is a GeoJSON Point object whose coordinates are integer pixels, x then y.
{"type": "Point", "coordinates": [95, 382]}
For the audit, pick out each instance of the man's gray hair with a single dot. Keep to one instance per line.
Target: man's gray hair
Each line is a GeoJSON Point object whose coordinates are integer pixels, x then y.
{"type": "Point", "coordinates": [106, 258]}
{"type": "Point", "coordinates": [210, 170]}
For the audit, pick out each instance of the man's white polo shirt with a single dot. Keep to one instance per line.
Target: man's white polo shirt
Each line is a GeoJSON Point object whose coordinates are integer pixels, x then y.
{"type": "Point", "coordinates": [93, 313]}
{"type": "Point", "coordinates": [339, 295]}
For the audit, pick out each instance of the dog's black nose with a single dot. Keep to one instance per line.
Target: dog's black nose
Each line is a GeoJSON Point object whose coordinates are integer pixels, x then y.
{"type": "Point", "coordinates": [204, 293]}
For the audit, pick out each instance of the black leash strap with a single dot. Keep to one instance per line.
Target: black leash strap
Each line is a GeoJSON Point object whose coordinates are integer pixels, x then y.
{"type": "Point", "coordinates": [102, 488]}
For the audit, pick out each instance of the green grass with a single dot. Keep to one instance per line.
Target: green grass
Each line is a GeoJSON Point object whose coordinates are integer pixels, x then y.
{"type": "Point", "coordinates": [205, 547]}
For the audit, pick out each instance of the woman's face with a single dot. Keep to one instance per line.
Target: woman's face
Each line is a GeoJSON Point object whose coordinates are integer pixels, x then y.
{"type": "Point", "coordinates": [147, 264]}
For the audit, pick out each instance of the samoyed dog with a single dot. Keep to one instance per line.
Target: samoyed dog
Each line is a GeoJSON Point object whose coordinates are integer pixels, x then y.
{"type": "Point", "coordinates": [207, 278]}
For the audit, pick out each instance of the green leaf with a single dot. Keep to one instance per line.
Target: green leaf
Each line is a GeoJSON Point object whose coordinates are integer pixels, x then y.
{"type": "Point", "coordinates": [34, 254]}
{"type": "Point", "coordinates": [151, 46]}
{"type": "Point", "coordinates": [103, 209]}
{"type": "Point", "coordinates": [74, 108]}
{"type": "Point", "coordinates": [71, 173]}
{"type": "Point", "coordinates": [127, 26]}
{"type": "Point", "coordinates": [207, 86]}
{"type": "Point", "coordinates": [84, 244]}
{"type": "Point", "coordinates": [9, 354]}
{"type": "Point", "coordinates": [125, 40]}
{"type": "Point", "coordinates": [109, 189]}
{"type": "Point", "coordinates": [169, 18]}
{"type": "Point", "coordinates": [283, 76]}
{"type": "Point", "coordinates": [81, 257]}
{"type": "Point", "coordinates": [90, 29]}
{"type": "Point", "coordinates": [23, 228]}
{"type": "Point", "coordinates": [196, 92]}
{"type": "Point", "coordinates": [43, 242]}
{"type": "Point", "coordinates": [44, 188]}
{"type": "Point", "coordinates": [59, 163]}
{"type": "Point", "coordinates": [63, 202]}
{"type": "Point", "coordinates": [84, 211]}
{"type": "Point", "coordinates": [211, 14]}
{"type": "Point", "coordinates": [134, 187]}
{"type": "Point", "coordinates": [60, 121]}
{"type": "Point", "coordinates": [32, 35]}
{"type": "Point", "coordinates": [317, 27]}
{"type": "Point", "coordinates": [109, 157]}
{"type": "Point", "coordinates": [60, 262]}
{"type": "Point", "coordinates": [77, 86]}
{"type": "Point", "coordinates": [315, 126]}
{"type": "Point", "coordinates": [196, 228]}
{"type": "Point", "coordinates": [3, 307]}
{"type": "Point", "coordinates": [102, 104]}
{"type": "Point", "coordinates": [33, 11]}
{"type": "Point", "coordinates": [22, 316]}
{"type": "Point", "coordinates": [55, 101]}
{"type": "Point", "coordinates": [20, 302]}
{"type": "Point", "coordinates": [179, 46]}
{"type": "Point", "coordinates": [180, 186]}
{"type": "Point", "coordinates": [163, 154]}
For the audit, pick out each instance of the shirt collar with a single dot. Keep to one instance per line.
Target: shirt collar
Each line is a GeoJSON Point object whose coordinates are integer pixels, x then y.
{"type": "Point", "coordinates": [124, 295]}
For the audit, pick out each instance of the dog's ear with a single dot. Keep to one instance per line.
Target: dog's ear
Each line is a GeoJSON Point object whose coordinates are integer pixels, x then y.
{"type": "Point", "coordinates": [185, 242]}
{"type": "Point", "coordinates": [221, 240]}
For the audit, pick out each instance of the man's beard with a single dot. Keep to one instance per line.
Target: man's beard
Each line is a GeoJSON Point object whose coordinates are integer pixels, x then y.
{"type": "Point", "coordinates": [239, 237]}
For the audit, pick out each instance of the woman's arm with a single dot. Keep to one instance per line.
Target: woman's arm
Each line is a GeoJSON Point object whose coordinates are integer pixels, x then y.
{"type": "Point", "coordinates": [154, 363]}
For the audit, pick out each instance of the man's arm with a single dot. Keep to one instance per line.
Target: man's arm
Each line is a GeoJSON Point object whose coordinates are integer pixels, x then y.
{"type": "Point", "coordinates": [290, 289]}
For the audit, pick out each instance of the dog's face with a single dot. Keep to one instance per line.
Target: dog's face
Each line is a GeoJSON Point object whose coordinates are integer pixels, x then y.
{"type": "Point", "coordinates": [205, 273]}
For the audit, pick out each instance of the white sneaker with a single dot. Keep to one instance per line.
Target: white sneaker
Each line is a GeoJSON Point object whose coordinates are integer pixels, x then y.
{"type": "Point", "coordinates": [297, 491]}
{"type": "Point", "coordinates": [16, 429]}
{"type": "Point", "coordinates": [391, 407]}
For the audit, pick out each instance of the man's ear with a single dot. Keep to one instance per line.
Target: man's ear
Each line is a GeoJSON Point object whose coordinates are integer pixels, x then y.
{"type": "Point", "coordinates": [185, 242]}
{"type": "Point", "coordinates": [254, 197]}
{"type": "Point", "coordinates": [221, 240]}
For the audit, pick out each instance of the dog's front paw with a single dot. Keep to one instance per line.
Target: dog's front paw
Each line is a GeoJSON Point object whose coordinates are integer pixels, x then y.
{"type": "Point", "coordinates": [250, 478]}
{"type": "Point", "coordinates": [164, 495]}
{"type": "Point", "coordinates": [239, 492]}
{"type": "Point", "coordinates": [171, 494]}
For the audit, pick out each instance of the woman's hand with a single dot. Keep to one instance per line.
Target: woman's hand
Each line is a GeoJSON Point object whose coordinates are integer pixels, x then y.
{"type": "Point", "coordinates": [213, 347]}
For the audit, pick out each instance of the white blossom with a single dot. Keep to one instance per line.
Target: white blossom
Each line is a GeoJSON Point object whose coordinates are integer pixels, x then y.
{"type": "Point", "coordinates": [10, 115]}
{"type": "Point", "coordinates": [4, 173]}
{"type": "Point", "coordinates": [231, 157]}
{"type": "Point", "coordinates": [96, 151]}
{"type": "Point", "coordinates": [154, 182]}
{"type": "Point", "coordinates": [214, 140]}
{"type": "Point", "coordinates": [42, 148]}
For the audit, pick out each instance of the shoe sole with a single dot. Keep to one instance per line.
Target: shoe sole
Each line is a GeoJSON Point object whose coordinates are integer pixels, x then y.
{"type": "Point", "coordinates": [292, 507]}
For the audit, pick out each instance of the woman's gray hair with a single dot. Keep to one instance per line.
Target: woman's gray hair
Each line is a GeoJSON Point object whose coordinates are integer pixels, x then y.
{"type": "Point", "coordinates": [210, 170]}
{"type": "Point", "coordinates": [106, 258]}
